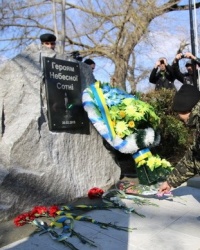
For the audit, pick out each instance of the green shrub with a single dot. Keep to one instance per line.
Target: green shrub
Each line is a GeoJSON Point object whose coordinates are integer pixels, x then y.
{"type": "Point", "coordinates": [175, 136]}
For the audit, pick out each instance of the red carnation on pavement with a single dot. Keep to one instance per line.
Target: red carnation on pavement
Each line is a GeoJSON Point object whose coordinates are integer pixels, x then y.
{"type": "Point", "coordinates": [23, 219]}
{"type": "Point", "coordinates": [39, 210]}
{"type": "Point", "coordinates": [53, 210]}
{"type": "Point", "coordinates": [95, 193]}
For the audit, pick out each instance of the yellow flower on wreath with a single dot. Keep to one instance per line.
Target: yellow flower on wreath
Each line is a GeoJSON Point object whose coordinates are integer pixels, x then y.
{"type": "Point", "coordinates": [154, 162]}
{"type": "Point", "coordinates": [121, 135]}
{"type": "Point", "coordinates": [130, 110]}
{"type": "Point", "coordinates": [122, 113]}
{"type": "Point", "coordinates": [121, 127]}
{"type": "Point", "coordinates": [113, 111]}
{"type": "Point", "coordinates": [131, 124]}
{"type": "Point", "coordinates": [166, 163]}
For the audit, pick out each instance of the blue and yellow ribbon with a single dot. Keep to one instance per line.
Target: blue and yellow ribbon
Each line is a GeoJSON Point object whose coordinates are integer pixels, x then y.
{"type": "Point", "coordinates": [64, 216]}
{"type": "Point", "coordinates": [141, 155]}
{"type": "Point", "coordinates": [98, 94]}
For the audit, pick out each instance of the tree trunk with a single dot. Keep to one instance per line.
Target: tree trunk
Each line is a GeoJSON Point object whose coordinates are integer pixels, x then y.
{"type": "Point", "coordinates": [120, 73]}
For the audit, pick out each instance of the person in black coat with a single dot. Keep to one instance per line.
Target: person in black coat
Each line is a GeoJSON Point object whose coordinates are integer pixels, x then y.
{"type": "Point", "coordinates": [188, 77]}
{"type": "Point", "coordinates": [162, 75]}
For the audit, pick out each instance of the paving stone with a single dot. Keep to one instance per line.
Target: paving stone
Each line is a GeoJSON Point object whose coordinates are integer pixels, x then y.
{"type": "Point", "coordinates": [172, 224]}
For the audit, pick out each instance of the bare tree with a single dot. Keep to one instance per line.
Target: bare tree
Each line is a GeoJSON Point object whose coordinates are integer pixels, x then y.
{"type": "Point", "coordinates": [110, 29]}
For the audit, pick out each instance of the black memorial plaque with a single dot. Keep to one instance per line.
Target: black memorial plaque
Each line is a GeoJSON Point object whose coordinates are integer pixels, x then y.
{"type": "Point", "coordinates": [64, 97]}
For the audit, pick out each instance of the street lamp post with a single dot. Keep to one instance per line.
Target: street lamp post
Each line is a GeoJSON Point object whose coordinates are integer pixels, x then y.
{"type": "Point", "coordinates": [192, 37]}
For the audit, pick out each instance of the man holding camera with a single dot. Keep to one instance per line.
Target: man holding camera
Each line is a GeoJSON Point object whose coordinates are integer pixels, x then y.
{"type": "Point", "coordinates": [162, 75]}
{"type": "Point", "coordinates": [191, 76]}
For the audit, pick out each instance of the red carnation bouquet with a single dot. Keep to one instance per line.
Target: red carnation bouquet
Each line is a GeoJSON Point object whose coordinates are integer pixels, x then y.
{"type": "Point", "coordinates": [95, 192]}
{"type": "Point", "coordinates": [38, 211]}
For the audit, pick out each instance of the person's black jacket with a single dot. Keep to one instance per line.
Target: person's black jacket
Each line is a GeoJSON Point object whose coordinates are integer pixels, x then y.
{"type": "Point", "coordinates": [162, 79]}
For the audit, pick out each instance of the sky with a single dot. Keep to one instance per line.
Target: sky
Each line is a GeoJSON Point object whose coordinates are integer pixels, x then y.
{"type": "Point", "coordinates": [175, 28]}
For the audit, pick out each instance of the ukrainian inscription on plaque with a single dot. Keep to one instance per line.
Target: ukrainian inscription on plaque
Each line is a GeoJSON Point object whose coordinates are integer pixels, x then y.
{"type": "Point", "coordinates": [64, 97]}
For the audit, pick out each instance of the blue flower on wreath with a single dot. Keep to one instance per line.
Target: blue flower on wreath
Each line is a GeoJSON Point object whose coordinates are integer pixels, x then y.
{"type": "Point", "coordinates": [110, 102]}
{"type": "Point", "coordinates": [106, 88]}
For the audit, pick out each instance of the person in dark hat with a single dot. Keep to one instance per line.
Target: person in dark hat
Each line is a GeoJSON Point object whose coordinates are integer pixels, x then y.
{"type": "Point", "coordinates": [91, 63]}
{"type": "Point", "coordinates": [187, 104]}
{"type": "Point", "coordinates": [190, 77]}
{"type": "Point", "coordinates": [48, 40]}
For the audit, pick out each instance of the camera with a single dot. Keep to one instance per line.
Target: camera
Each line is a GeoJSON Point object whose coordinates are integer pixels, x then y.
{"type": "Point", "coordinates": [76, 55]}
{"type": "Point", "coordinates": [182, 56]}
{"type": "Point", "coordinates": [162, 62]}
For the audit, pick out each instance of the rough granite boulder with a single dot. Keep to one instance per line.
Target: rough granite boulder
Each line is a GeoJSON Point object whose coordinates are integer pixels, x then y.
{"type": "Point", "coordinates": [37, 166]}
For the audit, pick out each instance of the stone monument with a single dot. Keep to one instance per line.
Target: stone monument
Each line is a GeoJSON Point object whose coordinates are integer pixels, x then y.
{"type": "Point", "coordinates": [38, 166]}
